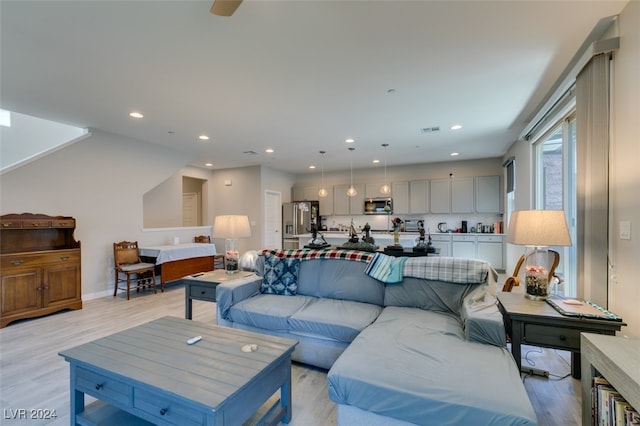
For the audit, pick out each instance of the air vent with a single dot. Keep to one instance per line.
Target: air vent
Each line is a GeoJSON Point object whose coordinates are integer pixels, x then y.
{"type": "Point", "coordinates": [250, 152]}
{"type": "Point", "coordinates": [430, 129]}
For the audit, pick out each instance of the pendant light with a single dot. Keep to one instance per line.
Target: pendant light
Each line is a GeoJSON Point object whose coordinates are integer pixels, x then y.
{"type": "Point", "coordinates": [322, 192]}
{"type": "Point", "coordinates": [385, 189]}
{"type": "Point", "coordinates": [351, 192]}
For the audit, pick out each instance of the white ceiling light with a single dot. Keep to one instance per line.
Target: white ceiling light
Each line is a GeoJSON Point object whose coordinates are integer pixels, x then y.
{"type": "Point", "coordinates": [208, 164]}
{"type": "Point", "coordinates": [456, 127]}
{"type": "Point", "coordinates": [455, 154]}
{"type": "Point", "coordinates": [351, 192]}
{"type": "Point", "coordinates": [203, 137]}
{"type": "Point", "coordinates": [322, 192]}
{"type": "Point", "coordinates": [269, 150]}
{"type": "Point", "coordinates": [312, 166]}
{"type": "Point", "coordinates": [350, 140]}
{"type": "Point", "coordinates": [385, 189]}
{"type": "Point", "coordinates": [136, 114]}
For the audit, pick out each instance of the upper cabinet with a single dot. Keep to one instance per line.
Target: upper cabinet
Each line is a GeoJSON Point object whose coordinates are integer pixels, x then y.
{"type": "Point", "coordinates": [304, 193]}
{"type": "Point", "coordinates": [440, 195]}
{"type": "Point", "coordinates": [419, 196]}
{"type": "Point", "coordinates": [345, 205]}
{"type": "Point", "coordinates": [462, 195]}
{"type": "Point", "coordinates": [326, 203]}
{"type": "Point", "coordinates": [488, 194]}
{"type": "Point", "coordinates": [400, 195]}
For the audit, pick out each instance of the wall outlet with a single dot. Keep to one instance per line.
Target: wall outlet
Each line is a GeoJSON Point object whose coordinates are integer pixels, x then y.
{"type": "Point", "coordinates": [625, 230]}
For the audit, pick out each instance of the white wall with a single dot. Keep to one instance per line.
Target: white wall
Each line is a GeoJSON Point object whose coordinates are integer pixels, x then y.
{"type": "Point", "coordinates": [624, 289]}
{"type": "Point", "coordinates": [99, 181]}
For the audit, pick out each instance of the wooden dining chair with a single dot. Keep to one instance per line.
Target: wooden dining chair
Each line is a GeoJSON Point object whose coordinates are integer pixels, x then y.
{"type": "Point", "coordinates": [518, 276]}
{"type": "Point", "coordinates": [219, 262]}
{"type": "Point", "coordinates": [130, 269]}
{"type": "Point", "coordinates": [202, 239]}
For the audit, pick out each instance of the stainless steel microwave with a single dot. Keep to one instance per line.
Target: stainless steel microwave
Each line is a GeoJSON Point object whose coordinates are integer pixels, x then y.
{"type": "Point", "coordinates": [378, 205]}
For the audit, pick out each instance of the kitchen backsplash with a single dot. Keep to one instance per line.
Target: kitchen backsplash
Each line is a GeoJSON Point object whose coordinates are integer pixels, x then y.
{"type": "Point", "coordinates": [383, 222]}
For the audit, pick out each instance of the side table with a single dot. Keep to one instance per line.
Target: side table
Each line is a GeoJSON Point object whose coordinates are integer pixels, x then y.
{"type": "Point", "coordinates": [202, 286]}
{"type": "Point", "coordinates": [534, 322]}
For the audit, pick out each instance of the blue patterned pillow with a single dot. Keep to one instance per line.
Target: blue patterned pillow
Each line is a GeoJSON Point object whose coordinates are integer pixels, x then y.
{"type": "Point", "coordinates": [280, 275]}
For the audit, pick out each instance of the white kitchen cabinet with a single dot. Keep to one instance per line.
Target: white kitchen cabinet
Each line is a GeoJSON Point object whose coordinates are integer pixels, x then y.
{"type": "Point", "coordinates": [463, 246]}
{"type": "Point", "coordinates": [400, 195]}
{"type": "Point", "coordinates": [419, 196]}
{"type": "Point", "coordinates": [487, 189]}
{"type": "Point", "coordinates": [372, 190]}
{"type": "Point", "coordinates": [326, 203]}
{"type": "Point", "coordinates": [490, 248]}
{"type": "Point", "coordinates": [440, 196]}
{"type": "Point", "coordinates": [345, 205]}
{"type": "Point", "coordinates": [305, 193]}
{"type": "Point", "coordinates": [462, 195]}
{"type": "Point", "coordinates": [442, 242]}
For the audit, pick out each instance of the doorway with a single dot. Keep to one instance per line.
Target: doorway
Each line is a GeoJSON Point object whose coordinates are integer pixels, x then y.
{"type": "Point", "coordinates": [272, 219]}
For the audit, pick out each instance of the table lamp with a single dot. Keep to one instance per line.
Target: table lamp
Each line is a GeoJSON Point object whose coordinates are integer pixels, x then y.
{"type": "Point", "coordinates": [231, 227]}
{"type": "Point", "coordinates": [537, 230]}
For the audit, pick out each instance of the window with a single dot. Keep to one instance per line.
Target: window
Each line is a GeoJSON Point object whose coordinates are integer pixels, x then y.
{"type": "Point", "coordinates": [555, 189]}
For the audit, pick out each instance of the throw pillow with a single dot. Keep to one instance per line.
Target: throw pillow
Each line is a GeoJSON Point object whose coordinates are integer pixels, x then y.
{"type": "Point", "coordinates": [280, 275]}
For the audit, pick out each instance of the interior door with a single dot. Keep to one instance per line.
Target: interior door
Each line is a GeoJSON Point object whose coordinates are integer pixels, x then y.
{"type": "Point", "coordinates": [190, 209]}
{"type": "Point", "coordinates": [272, 219]}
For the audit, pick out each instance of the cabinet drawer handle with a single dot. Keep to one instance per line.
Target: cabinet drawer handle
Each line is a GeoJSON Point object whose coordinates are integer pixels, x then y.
{"type": "Point", "coordinates": [163, 411]}
{"type": "Point", "coordinates": [16, 262]}
{"type": "Point", "coordinates": [35, 225]}
{"type": "Point", "coordinates": [562, 338]}
{"type": "Point", "coordinates": [64, 258]}
{"type": "Point", "coordinates": [7, 224]}
{"type": "Point", "coordinates": [99, 386]}
{"type": "Point", "coordinates": [203, 292]}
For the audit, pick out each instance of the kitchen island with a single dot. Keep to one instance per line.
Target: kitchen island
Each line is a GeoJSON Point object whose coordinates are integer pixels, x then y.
{"type": "Point", "coordinates": [487, 247]}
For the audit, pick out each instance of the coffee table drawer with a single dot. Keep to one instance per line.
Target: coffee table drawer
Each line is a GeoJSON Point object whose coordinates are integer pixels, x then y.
{"type": "Point", "coordinates": [104, 388]}
{"type": "Point", "coordinates": [166, 410]}
{"type": "Point", "coordinates": [207, 292]}
{"type": "Point", "coordinates": [557, 337]}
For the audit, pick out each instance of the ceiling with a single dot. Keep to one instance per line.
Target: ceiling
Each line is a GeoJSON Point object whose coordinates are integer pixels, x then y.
{"type": "Point", "coordinates": [296, 76]}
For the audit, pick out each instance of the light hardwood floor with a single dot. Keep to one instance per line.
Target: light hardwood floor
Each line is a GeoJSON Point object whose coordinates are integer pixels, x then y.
{"type": "Point", "coordinates": [33, 376]}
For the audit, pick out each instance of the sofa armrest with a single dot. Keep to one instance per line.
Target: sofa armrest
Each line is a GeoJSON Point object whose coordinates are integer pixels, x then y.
{"type": "Point", "coordinates": [482, 319]}
{"type": "Point", "coordinates": [230, 293]}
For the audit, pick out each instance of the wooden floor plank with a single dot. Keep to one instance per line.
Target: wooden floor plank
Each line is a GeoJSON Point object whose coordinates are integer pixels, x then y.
{"type": "Point", "coordinates": [33, 376]}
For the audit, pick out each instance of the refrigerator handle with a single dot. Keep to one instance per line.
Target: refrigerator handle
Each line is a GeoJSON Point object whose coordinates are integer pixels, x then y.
{"type": "Point", "coordinates": [295, 219]}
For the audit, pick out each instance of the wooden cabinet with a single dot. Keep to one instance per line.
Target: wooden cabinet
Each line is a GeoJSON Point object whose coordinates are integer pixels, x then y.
{"type": "Point", "coordinates": [462, 195]}
{"type": "Point", "coordinates": [40, 263]}
{"type": "Point", "coordinates": [440, 196]}
{"type": "Point", "coordinates": [487, 189]}
{"type": "Point", "coordinates": [419, 196]}
{"type": "Point", "coordinates": [326, 203]}
{"type": "Point", "coordinates": [345, 205]}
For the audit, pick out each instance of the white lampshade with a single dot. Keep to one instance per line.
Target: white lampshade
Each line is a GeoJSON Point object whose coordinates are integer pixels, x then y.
{"type": "Point", "coordinates": [231, 227]}
{"type": "Point", "coordinates": [538, 228]}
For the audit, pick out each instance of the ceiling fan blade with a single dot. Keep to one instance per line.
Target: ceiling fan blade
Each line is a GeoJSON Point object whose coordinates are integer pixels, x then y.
{"type": "Point", "coordinates": [225, 7]}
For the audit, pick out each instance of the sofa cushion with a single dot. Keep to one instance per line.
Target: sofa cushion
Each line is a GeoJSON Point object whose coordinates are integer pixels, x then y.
{"type": "Point", "coordinates": [339, 320]}
{"type": "Point", "coordinates": [268, 311]}
{"type": "Point", "coordinates": [280, 275]}
{"type": "Point", "coordinates": [427, 294]}
{"type": "Point", "coordinates": [339, 279]}
{"type": "Point", "coordinates": [405, 368]}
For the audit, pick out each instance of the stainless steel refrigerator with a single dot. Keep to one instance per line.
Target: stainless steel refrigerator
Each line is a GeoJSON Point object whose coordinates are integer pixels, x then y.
{"type": "Point", "coordinates": [298, 217]}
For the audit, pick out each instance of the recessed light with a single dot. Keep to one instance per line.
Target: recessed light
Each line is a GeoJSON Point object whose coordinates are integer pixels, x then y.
{"type": "Point", "coordinates": [269, 150]}
{"type": "Point", "coordinates": [135, 114]}
{"type": "Point", "coordinates": [375, 161]}
{"type": "Point", "coordinates": [455, 154]}
{"type": "Point", "coordinates": [208, 164]}
{"type": "Point", "coordinates": [203, 137]}
{"type": "Point", "coordinates": [350, 140]}
{"type": "Point", "coordinates": [312, 166]}
{"type": "Point", "coordinates": [456, 127]}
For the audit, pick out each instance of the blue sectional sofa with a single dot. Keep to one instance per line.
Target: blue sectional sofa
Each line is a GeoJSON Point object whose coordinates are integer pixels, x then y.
{"type": "Point", "coordinates": [427, 348]}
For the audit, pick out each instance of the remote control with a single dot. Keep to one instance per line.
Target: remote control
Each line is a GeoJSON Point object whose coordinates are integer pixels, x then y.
{"type": "Point", "coordinates": [194, 340]}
